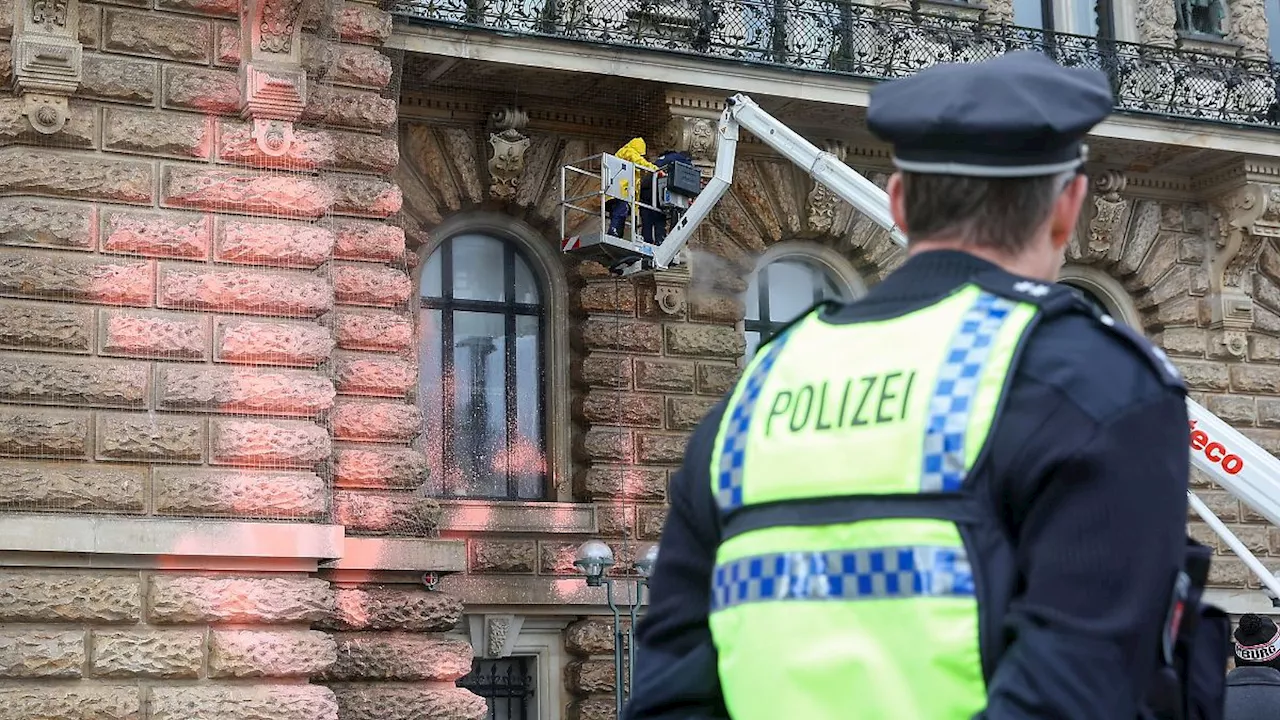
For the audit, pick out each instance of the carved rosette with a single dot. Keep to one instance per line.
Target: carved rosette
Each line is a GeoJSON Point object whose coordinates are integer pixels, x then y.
{"type": "Point", "coordinates": [47, 60]}
{"type": "Point", "coordinates": [509, 145]}
{"type": "Point", "coordinates": [1244, 217]}
{"type": "Point", "coordinates": [272, 82]}
{"type": "Point", "coordinates": [1156, 20]}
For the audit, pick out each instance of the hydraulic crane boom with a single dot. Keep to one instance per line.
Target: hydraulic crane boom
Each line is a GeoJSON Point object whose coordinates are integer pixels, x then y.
{"type": "Point", "coordinates": [1221, 452]}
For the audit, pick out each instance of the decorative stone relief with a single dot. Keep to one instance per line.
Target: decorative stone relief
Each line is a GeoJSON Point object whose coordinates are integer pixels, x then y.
{"type": "Point", "coordinates": [273, 83]}
{"type": "Point", "coordinates": [46, 60]}
{"type": "Point", "coordinates": [509, 147]}
{"type": "Point", "coordinates": [670, 287]}
{"type": "Point", "coordinates": [1244, 217]}
{"type": "Point", "coordinates": [1248, 28]}
{"type": "Point", "coordinates": [693, 128]}
{"type": "Point", "coordinates": [998, 11]}
{"type": "Point", "coordinates": [823, 202]}
{"type": "Point", "coordinates": [494, 636]}
{"type": "Point", "coordinates": [1108, 212]}
{"type": "Point", "coordinates": [1156, 20]}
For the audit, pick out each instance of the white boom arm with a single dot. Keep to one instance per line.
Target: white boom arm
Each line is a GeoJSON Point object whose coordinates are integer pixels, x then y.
{"type": "Point", "coordinates": [1233, 461]}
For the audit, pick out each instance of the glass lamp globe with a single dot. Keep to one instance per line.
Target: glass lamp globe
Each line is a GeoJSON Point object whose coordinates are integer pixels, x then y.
{"type": "Point", "coordinates": [645, 564]}
{"type": "Point", "coordinates": [593, 558]}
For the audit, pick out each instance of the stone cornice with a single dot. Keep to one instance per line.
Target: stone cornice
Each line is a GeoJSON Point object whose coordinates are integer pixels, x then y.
{"type": "Point", "coordinates": [460, 110]}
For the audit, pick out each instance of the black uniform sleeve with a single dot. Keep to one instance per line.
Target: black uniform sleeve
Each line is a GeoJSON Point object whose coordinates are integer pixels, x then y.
{"type": "Point", "coordinates": [1100, 537]}
{"type": "Point", "coordinates": [676, 676]}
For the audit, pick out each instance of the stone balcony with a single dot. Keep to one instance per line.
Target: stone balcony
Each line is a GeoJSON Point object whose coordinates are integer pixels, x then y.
{"type": "Point", "coordinates": [849, 40]}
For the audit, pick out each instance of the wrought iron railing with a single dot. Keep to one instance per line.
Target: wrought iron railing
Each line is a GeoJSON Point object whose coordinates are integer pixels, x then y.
{"type": "Point", "coordinates": [875, 43]}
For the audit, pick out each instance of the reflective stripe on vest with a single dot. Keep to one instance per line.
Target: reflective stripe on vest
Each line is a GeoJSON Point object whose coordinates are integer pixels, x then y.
{"type": "Point", "coordinates": [875, 618]}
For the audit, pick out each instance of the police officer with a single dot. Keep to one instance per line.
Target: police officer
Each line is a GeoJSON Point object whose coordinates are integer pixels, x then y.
{"type": "Point", "coordinates": [962, 496]}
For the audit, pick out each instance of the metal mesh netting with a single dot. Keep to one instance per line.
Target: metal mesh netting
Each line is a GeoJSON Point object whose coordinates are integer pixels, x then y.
{"type": "Point", "coordinates": [878, 44]}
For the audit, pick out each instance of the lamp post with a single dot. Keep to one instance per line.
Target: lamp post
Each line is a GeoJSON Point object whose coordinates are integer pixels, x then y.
{"type": "Point", "coordinates": [593, 559]}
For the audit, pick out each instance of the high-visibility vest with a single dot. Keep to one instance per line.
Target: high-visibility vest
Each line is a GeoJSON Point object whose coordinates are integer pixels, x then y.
{"type": "Point", "coordinates": [850, 579]}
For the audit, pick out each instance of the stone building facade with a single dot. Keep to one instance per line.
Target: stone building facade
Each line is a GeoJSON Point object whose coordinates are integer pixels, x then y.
{"type": "Point", "coordinates": [303, 414]}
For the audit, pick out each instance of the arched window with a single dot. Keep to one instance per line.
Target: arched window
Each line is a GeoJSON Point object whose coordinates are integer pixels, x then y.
{"type": "Point", "coordinates": [1105, 291]}
{"type": "Point", "coordinates": [790, 279]}
{"type": "Point", "coordinates": [482, 329]}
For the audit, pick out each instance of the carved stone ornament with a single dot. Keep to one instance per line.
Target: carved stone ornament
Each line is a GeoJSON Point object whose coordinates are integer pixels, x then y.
{"type": "Point", "coordinates": [1108, 212]}
{"type": "Point", "coordinates": [46, 60]}
{"type": "Point", "coordinates": [277, 21]}
{"type": "Point", "coordinates": [822, 202]}
{"type": "Point", "coordinates": [273, 98]}
{"type": "Point", "coordinates": [694, 135]}
{"type": "Point", "coordinates": [1242, 224]}
{"type": "Point", "coordinates": [509, 144]}
{"type": "Point", "coordinates": [1248, 27]}
{"type": "Point", "coordinates": [494, 636]}
{"type": "Point", "coordinates": [50, 14]}
{"type": "Point", "coordinates": [1156, 20]}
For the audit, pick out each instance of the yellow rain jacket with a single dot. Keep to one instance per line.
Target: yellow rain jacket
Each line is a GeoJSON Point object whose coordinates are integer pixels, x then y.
{"type": "Point", "coordinates": [634, 152]}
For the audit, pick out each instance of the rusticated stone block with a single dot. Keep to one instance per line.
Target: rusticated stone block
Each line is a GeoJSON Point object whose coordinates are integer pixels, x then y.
{"type": "Point", "coordinates": [1204, 375]}
{"type": "Point", "coordinates": [624, 335]}
{"type": "Point", "coordinates": [279, 343]}
{"type": "Point", "coordinates": [79, 130]}
{"type": "Point", "coordinates": [629, 410]}
{"type": "Point", "coordinates": [309, 149]}
{"type": "Point", "coordinates": [69, 597]}
{"type": "Point", "coordinates": [32, 379]}
{"type": "Point", "coordinates": [226, 50]}
{"type": "Point", "coordinates": [242, 702]}
{"type": "Point", "coordinates": [32, 433]}
{"type": "Point", "coordinates": [365, 196]}
{"type": "Point", "coordinates": [705, 341]}
{"type": "Point", "coordinates": [279, 443]}
{"type": "Point", "coordinates": [284, 653]}
{"type": "Point", "coordinates": [356, 109]}
{"type": "Point", "coordinates": [364, 24]}
{"type": "Point", "coordinates": [1255, 379]}
{"type": "Point", "coordinates": [273, 243]}
{"type": "Point", "coordinates": [402, 608]}
{"type": "Point", "coordinates": [171, 336]}
{"type": "Point", "coordinates": [359, 152]}
{"type": "Point", "coordinates": [365, 240]}
{"type": "Point", "coordinates": [686, 413]}
{"type": "Point", "coordinates": [382, 331]}
{"type": "Point", "coordinates": [660, 447]}
{"type": "Point", "coordinates": [157, 35]}
{"type": "Point", "coordinates": [378, 701]}
{"type": "Point", "coordinates": [590, 677]}
{"type": "Point", "coordinates": [115, 78]}
{"type": "Point", "coordinates": [390, 468]}
{"type": "Point", "coordinates": [631, 483]}
{"type": "Point", "coordinates": [615, 520]}
{"type": "Point", "coordinates": [373, 285]}
{"type": "Point", "coordinates": [249, 291]}
{"type": "Point", "coordinates": [376, 513]}
{"type": "Point", "coordinates": [43, 326]}
{"type": "Point", "coordinates": [239, 493]}
{"type": "Point", "coordinates": [362, 67]}
{"type": "Point", "coordinates": [176, 235]}
{"type": "Point", "coordinates": [651, 520]}
{"type": "Point", "coordinates": [63, 276]}
{"type": "Point", "coordinates": [723, 309]}
{"type": "Point", "coordinates": [607, 443]}
{"type": "Point", "coordinates": [664, 376]}
{"type": "Point", "coordinates": [72, 486]}
{"type": "Point", "coordinates": [48, 223]}
{"type": "Point", "coordinates": [148, 653]}
{"type": "Point", "coordinates": [503, 556]}
{"type": "Point", "coordinates": [591, 636]}
{"type": "Point", "coordinates": [70, 702]}
{"type": "Point", "coordinates": [209, 91]}
{"type": "Point", "coordinates": [218, 8]}
{"type": "Point", "coordinates": [41, 654]}
{"type": "Point", "coordinates": [399, 656]}
{"type": "Point", "coordinates": [90, 28]}
{"type": "Point", "coordinates": [1235, 409]}
{"type": "Point", "coordinates": [265, 392]}
{"type": "Point", "coordinates": [596, 708]}
{"type": "Point", "coordinates": [379, 375]}
{"type": "Point", "coordinates": [168, 438]}
{"type": "Point", "coordinates": [182, 135]}
{"type": "Point", "coordinates": [381, 421]}
{"type": "Point", "coordinates": [45, 171]}
{"type": "Point", "coordinates": [717, 379]}
{"type": "Point", "coordinates": [604, 370]}
{"type": "Point", "coordinates": [608, 297]}
{"type": "Point", "coordinates": [194, 599]}
{"type": "Point", "coordinates": [259, 192]}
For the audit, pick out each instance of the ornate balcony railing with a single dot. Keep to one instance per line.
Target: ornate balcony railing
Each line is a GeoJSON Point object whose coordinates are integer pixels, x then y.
{"type": "Point", "coordinates": [874, 43]}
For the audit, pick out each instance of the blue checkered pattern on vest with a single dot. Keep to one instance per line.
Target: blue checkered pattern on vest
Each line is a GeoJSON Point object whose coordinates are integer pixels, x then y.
{"type": "Point", "coordinates": [733, 454]}
{"type": "Point", "coordinates": [867, 574]}
{"type": "Point", "coordinates": [944, 440]}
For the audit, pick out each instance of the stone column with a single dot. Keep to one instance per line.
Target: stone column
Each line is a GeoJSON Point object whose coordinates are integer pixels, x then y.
{"type": "Point", "coordinates": [1156, 20]}
{"type": "Point", "coordinates": [1248, 26]}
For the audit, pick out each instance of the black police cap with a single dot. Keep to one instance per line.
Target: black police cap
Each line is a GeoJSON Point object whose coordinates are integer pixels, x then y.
{"type": "Point", "coordinates": [1018, 115]}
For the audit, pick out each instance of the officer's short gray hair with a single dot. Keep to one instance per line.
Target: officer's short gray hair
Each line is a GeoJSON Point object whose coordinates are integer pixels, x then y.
{"type": "Point", "coordinates": [997, 213]}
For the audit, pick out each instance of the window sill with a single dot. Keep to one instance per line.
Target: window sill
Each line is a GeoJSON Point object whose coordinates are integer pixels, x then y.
{"type": "Point", "coordinates": [401, 555]}
{"type": "Point", "coordinates": [507, 516]}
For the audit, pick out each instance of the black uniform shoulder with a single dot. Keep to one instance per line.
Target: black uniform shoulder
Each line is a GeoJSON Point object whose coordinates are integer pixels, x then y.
{"type": "Point", "coordinates": [1098, 361]}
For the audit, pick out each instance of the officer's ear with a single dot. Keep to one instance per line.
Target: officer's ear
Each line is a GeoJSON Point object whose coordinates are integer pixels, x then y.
{"type": "Point", "coordinates": [898, 203]}
{"type": "Point", "coordinates": [1066, 211]}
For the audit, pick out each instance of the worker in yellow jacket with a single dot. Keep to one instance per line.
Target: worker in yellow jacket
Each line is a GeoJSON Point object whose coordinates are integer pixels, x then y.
{"type": "Point", "coordinates": [618, 210]}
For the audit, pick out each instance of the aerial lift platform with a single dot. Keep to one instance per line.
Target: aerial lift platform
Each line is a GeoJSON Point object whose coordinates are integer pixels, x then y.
{"type": "Point", "coordinates": [1233, 461]}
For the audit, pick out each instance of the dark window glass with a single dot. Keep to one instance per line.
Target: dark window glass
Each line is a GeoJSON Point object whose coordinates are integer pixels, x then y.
{"type": "Point", "coordinates": [506, 685]}
{"type": "Point", "coordinates": [481, 385]}
{"type": "Point", "coordinates": [781, 291]}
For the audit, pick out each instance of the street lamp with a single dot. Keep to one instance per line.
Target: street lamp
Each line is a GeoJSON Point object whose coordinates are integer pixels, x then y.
{"type": "Point", "coordinates": [593, 559]}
